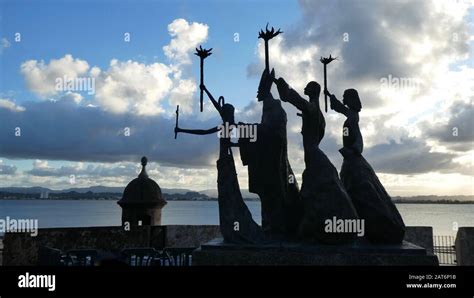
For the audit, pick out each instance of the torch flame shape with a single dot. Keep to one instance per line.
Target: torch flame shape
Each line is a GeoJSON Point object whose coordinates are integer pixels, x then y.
{"type": "Point", "coordinates": [327, 60]}
{"type": "Point", "coordinates": [203, 53]}
{"type": "Point", "coordinates": [268, 34]}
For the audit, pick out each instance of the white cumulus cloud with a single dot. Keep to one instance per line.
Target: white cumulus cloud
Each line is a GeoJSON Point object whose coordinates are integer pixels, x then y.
{"type": "Point", "coordinates": [41, 77]}
{"type": "Point", "coordinates": [133, 87]}
{"type": "Point", "coordinates": [186, 36]}
{"type": "Point", "coordinates": [10, 105]}
{"type": "Point", "coordinates": [127, 86]}
{"type": "Point", "coordinates": [4, 44]}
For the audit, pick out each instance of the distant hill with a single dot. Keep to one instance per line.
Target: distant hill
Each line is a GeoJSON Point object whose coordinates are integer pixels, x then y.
{"type": "Point", "coordinates": [25, 190]}
{"type": "Point", "coordinates": [115, 193]}
{"type": "Point", "coordinates": [433, 198]}
{"type": "Point", "coordinates": [94, 189]}
{"type": "Point", "coordinates": [72, 194]}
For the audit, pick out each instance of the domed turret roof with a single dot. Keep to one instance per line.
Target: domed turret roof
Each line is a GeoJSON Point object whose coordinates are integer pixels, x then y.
{"type": "Point", "coordinates": [142, 191]}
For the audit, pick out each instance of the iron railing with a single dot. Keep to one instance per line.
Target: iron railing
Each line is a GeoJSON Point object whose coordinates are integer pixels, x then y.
{"type": "Point", "coordinates": [145, 256]}
{"type": "Point", "coordinates": [445, 250]}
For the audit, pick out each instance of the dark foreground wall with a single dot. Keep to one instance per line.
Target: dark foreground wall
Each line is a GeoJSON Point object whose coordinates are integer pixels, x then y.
{"type": "Point", "coordinates": [465, 246]}
{"type": "Point", "coordinates": [22, 249]}
{"type": "Point", "coordinates": [421, 236]}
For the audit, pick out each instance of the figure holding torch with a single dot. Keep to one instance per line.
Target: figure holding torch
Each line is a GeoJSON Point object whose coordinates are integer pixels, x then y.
{"type": "Point", "coordinates": [325, 62]}
{"type": "Point", "coordinates": [266, 36]}
{"type": "Point", "coordinates": [203, 54]}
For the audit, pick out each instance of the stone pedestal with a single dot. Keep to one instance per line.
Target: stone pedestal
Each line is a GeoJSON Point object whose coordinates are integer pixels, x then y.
{"type": "Point", "coordinates": [465, 246]}
{"type": "Point", "coordinates": [218, 253]}
{"type": "Point", "coordinates": [421, 236]}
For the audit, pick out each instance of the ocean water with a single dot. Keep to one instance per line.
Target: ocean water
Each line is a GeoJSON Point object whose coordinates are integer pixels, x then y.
{"type": "Point", "coordinates": [442, 217]}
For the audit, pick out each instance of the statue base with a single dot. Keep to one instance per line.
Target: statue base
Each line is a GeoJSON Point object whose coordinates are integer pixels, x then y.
{"type": "Point", "coordinates": [218, 253]}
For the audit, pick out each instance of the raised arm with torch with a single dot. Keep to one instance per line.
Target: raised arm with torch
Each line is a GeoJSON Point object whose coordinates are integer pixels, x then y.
{"type": "Point", "coordinates": [203, 54]}
{"type": "Point", "coordinates": [326, 61]}
{"type": "Point", "coordinates": [176, 125]}
{"type": "Point", "coordinates": [266, 36]}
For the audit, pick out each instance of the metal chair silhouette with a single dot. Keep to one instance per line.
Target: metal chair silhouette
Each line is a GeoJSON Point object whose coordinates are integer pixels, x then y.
{"type": "Point", "coordinates": [81, 257]}
{"type": "Point", "coordinates": [140, 256]}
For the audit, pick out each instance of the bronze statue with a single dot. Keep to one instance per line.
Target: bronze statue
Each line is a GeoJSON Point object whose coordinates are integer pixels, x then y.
{"type": "Point", "coordinates": [384, 223]}
{"type": "Point", "coordinates": [270, 173]}
{"type": "Point", "coordinates": [235, 219]}
{"type": "Point", "coordinates": [287, 213]}
{"type": "Point", "coordinates": [322, 193]}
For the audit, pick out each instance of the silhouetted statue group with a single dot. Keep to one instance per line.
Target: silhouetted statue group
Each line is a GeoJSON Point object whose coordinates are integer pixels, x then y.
{"type": "Point", "coordinates": [288, 213]}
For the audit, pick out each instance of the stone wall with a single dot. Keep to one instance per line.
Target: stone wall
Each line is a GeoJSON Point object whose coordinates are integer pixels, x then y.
{"type": "Point", "coordinates": [465, 246]}
{"type": "Point", "coordinates": [190, 236]}
{"type": "Point", "coordinates": [421, 236]}
{"type": "Point", "coordinates": [22, 249]}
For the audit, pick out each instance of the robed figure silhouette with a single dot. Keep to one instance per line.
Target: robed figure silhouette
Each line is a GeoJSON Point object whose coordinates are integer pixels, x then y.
{"type": "Point", "coordinates": [270, 173]}
{"type": "Point", "coordinates": [323, 195]}
{"type": "Point", "coordinates": [235, 219]}
{"type": "Point", "coordinates": [383, 223]}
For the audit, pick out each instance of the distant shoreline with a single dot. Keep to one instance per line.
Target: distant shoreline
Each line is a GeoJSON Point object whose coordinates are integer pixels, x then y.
{"type": "Point", "coordinates": [444, 202]}
{"type": "Point", "coordinates": [104, 193]}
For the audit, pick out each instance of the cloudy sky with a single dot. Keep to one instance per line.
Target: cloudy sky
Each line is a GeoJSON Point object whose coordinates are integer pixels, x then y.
{"type": "Point", "coordinates": [411, 61]}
